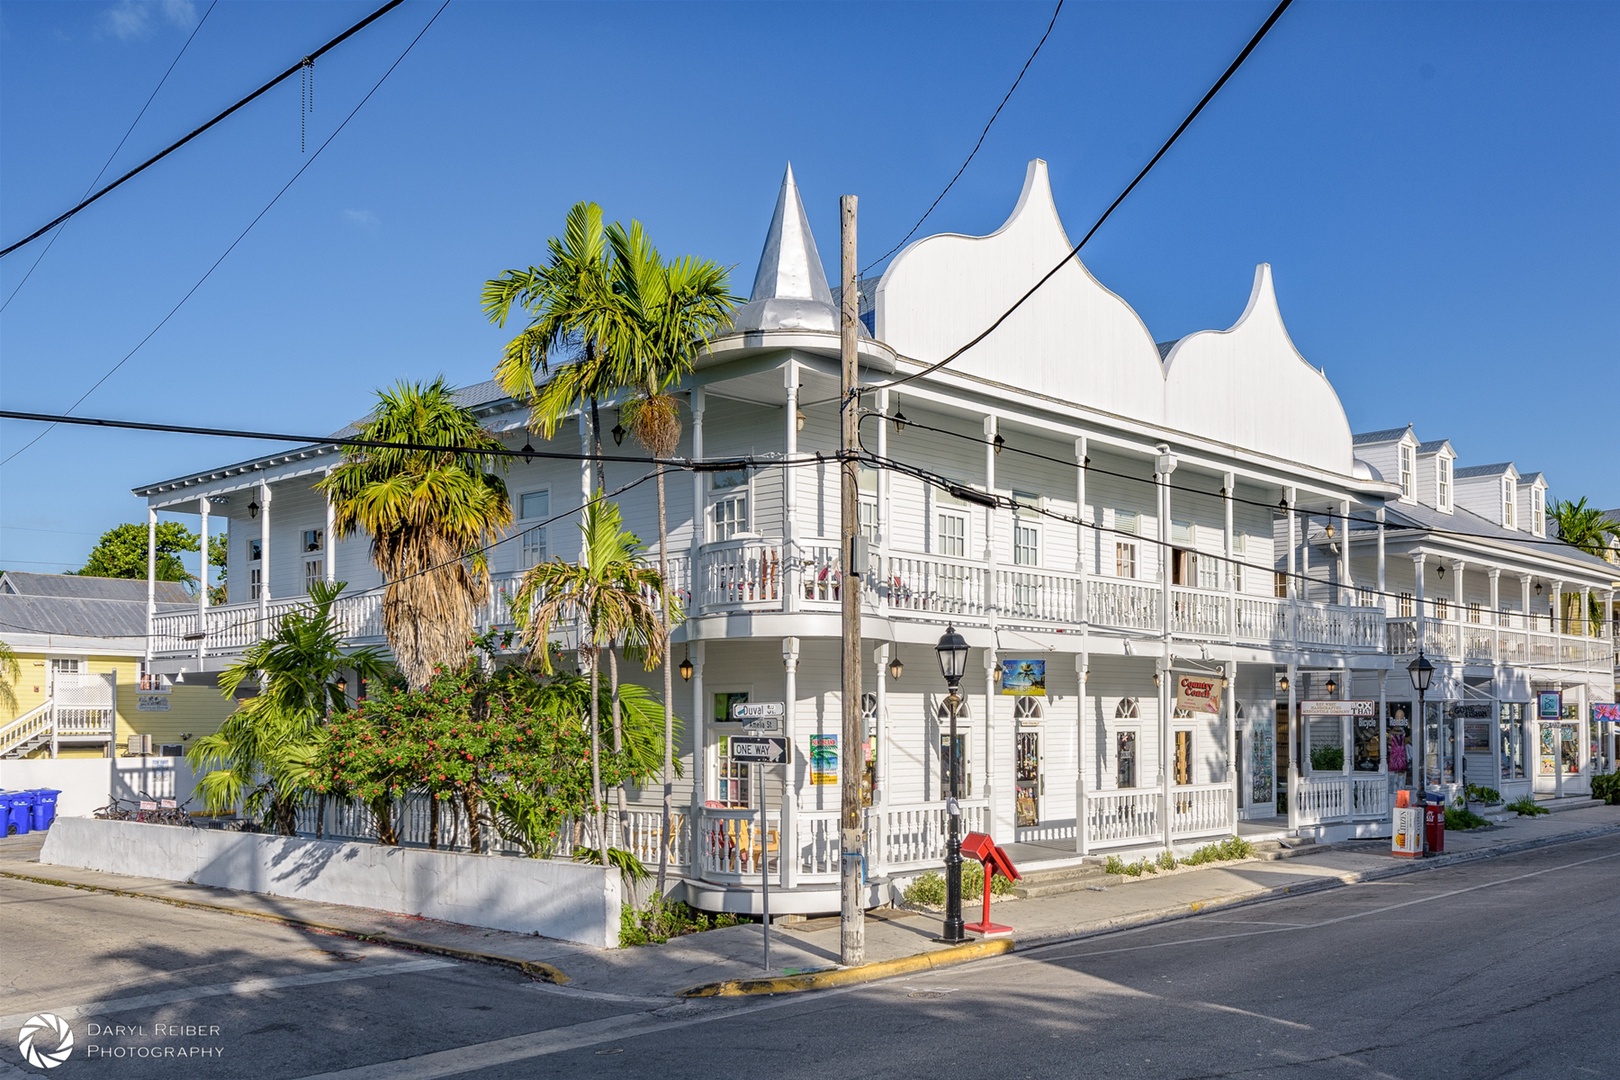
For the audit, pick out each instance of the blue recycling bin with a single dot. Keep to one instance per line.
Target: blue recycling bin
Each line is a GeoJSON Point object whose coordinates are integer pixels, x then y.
{"type": "Point", "coordinates": [20, 805]}
{"type": "Point", "coordinates": [45, 807]}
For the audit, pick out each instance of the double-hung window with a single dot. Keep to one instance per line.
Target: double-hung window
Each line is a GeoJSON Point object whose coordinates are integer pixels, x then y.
{"type": "Point", "coordinates": [950, 541]}
{"type": "Point", "coordinates": [728, 505]}
{"type": "Point", "coordinates": [1442, 483]}
{"type": "Point", "coordinates": [1538, 511]}
{"type": "Point", "coordinates": [1510, 495]}
{"type": "Point", "coordinates": [1408, 472]}
{"type": "Point", "coordinates": [1124, 559]}
{"type": "Point", "coordinates": [534, 507]}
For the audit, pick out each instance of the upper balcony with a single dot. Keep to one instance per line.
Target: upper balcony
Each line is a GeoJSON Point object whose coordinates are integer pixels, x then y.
{"type": "Point", "coordinates": [1506, 638]}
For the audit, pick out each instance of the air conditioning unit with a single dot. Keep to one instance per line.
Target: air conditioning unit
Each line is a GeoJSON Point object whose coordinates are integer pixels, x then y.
{"type": "Point", "coordinates": [138, 746]}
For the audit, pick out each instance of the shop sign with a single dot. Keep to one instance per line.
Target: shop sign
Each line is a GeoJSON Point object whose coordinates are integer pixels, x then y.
{"type": "Point", "coordinates": [152, 703]}
{"type": "Point", "coordinates": [1338, 708]}
{"type": "Point", "coordinates": [1023, 678]}
{"type": "Point", "coordinates": [1199, 694]}
{"type": "Point", "coordinates": [1549, 705]}
{"type": "Point", "coordinates": [823, 760]}
{"type": "Point", "coordinates": [1605, 712]}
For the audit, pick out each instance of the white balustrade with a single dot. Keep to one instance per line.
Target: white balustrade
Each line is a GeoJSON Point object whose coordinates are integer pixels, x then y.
{"type": "Point", "coordinates": [914, 836]}
{"type": "Point", "coordinates": [1262, 620]}
{"type": "Point", "coordinates": [740, 573]}
{"type": "Point", "coordinates": [1124, 605]}
{"type": "Point", "coordinates": [1039, 596]}
{"type": "Point", "coordinates": [1201, 809]}
{"type": "Point", "coordinates": [1198, 613]}
{"type": "Point", "coordinates": [1123, 818]}
{"type": "Point", "coordinates": [928, 583]}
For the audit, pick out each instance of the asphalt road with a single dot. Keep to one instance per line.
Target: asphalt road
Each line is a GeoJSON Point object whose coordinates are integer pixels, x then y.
{"type": "Point", "coordinates": [1501, 968]}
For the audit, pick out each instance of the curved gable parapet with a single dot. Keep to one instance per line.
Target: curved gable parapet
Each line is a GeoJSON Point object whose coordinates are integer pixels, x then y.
{"type": "Point", "coordinates": [1249, 386]}
{"type": "Point", "coordinates": [1074, 339]}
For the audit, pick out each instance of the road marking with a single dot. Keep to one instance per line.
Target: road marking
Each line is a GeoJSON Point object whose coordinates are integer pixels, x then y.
{"type": "Point", "coordinates": [241, 986]}
{"type": "Point", "coordinates": [498, 1052]}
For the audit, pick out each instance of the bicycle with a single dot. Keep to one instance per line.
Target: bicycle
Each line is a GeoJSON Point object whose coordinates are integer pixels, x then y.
{"type": "Point", "coordinates": [115, 810]}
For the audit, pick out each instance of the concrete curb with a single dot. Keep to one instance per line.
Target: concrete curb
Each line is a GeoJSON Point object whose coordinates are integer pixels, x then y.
{"type": "Point", "coordinates": [533, 968]}
{"type": "Point", "coordinates": [879, 969]}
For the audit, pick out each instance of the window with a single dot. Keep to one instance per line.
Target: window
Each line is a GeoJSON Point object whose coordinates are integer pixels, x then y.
{"type": "Point", "coordinates": [728, 513]}
{"type": "Point", "coordinates": [1126, 521]}
{"type": "Point", "coordinates": [1408, 472]}
{"type": "Point", "coordinates": [1442, 483]}
{"type": "Point", "coordinates": [1124, 560]}
{"type": "Point", "coordinates": [1240, 547]}
{"type": "Point", "coordinates": [950, 534]}
{"type": "Point", "coordinates": [867, 508]}
{"type": "Point", "coordinates": [1181, 532]}
{"type": "Point", "coordinates": [1026, 545]}
{"type": "Point", "coordinates": [1538, 511]}
{"type": "Point", "coordinates": [961, 760]}
{"type": "Point", "coordinates": [313, 540]}
{"type": "Point", "coordinates": [533, 507]}
{"type": "Point", "coordinates": [1209, 572]}
{"type": "Point", "coordinates": [1510, 495]}
{"type": "Point", "coordinates": [1404, 605]}
{"type": "Point", "coordinates": [1365, 596]}
{"type": "Point", "coordinates": [255, 551]}
{"type": "Point", "coordinates": [1442, 608]}
{"type": "Point", "coordinates": [255, 582]}
{"type": "Point", "coordinates": [1473, 611]}
{"type": "Point", "coordinates": [1279, 584]}
{"type": "Point", "coordinates": [730, 777]}
{"type": "Point", "coordinates": [1237, 576]}
{"type": "Point", "coordinates": [1125, 744]}
{"type": "Point", "coordinates": [314, 571]}
{"type": "Point", "coordinates": [1510, 718]}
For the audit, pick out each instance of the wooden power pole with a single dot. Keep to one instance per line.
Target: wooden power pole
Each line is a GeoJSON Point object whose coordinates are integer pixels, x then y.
{"type": "Point", "coordinates": [852, 868]}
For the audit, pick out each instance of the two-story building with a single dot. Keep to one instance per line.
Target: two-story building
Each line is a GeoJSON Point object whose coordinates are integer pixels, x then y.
{"type": "Point", "coordinates": [1121, 529]}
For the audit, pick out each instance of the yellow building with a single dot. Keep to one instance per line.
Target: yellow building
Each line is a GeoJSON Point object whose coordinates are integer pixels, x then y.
{"type": "Point", "coordinates": [82, 689]}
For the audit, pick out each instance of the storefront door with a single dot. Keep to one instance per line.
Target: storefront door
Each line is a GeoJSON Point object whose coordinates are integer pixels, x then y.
{"type": "Point", "coordinates": [1028, 776]}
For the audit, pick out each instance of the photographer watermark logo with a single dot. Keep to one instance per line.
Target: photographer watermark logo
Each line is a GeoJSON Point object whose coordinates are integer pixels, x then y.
{"type": "Point", "coordinates": [51, 1029]}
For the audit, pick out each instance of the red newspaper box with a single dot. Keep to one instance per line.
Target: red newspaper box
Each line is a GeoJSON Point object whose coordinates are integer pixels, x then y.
{"type": "Point", "coordinates": [979, 846]}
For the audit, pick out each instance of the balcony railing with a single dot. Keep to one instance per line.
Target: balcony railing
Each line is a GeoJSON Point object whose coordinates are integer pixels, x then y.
{"type": "Point", "coordinates": [1507, 643]}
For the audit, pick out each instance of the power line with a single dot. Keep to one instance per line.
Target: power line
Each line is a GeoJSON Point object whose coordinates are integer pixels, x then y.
{"type": "Point", "coordinates": [688, 464]}
{"type": "Point", "coordinates": [1171, 141]}
{"type": "Point", "coordinates": [1092, 469]}
{"type": "Point", "coordinates": [974, 152]}
{"type": "Point", "coordinates": [172, 147]}
{"type": "Point", "coordinates": [106, 164]}
{"type": "Point", "coordinates": [277, 198]}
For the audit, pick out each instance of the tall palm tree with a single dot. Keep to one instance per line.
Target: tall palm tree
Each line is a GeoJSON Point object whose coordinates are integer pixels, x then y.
{"type": "Point", "coordinates": [430, 513]}
{"type": "Point", "coordinates": [260, 758]}
{"type": "Point", "coordinates": [677, 307]}
{"type": "Point", "coordinates": [10, 672]}
{"type": "Point", "coordinates": [610, 593]}
{"type": "Point", "coordinates": [1590, 530]}
{"type": "Point", "coordinates": [576, 314]}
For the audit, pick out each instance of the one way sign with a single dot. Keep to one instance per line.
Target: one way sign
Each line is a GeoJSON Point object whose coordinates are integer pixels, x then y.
{"type": "Point", "coordinates": [763, 750]}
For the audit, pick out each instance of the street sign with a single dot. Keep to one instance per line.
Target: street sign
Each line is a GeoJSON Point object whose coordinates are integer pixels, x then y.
{"type": "Point", "coordinates": [758, 710]}
{"type": "Point", "coordinates": [762, 750]}
{"type": "Point", "coordinates": [771, 725]}
{"type": "Point", "coordinates": [1338, 708]}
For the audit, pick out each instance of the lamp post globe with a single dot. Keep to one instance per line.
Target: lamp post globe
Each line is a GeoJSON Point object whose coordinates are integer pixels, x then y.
{"type": "Point", "coordinates": [952, 651]}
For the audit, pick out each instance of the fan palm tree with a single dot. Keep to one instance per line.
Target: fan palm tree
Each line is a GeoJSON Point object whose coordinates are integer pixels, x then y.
{"type": "Point", "coordinates": [261, 757]}
{"type": "Point", "coordinates": [611, 595]}
{"type": "Point", "coordinates": [576, 314]}
{"type": "Point", "coordinates": [430, 513]}
{"type": "Point", "coordinates": [1592, 531]}
{"type": "Point", "coordinates": [10, 672]}
{"type": "Point", "coordinates": [676, 307]}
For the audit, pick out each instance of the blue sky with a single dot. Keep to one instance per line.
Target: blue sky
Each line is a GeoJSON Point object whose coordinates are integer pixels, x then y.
{"type": "Point", "coordinates": [1432, 184]}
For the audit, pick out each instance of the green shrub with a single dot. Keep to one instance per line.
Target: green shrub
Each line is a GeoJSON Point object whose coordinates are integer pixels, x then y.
{"type": "Point", "coordinates": [1487, 795]}
{"type": "Point", "coordinates": [663, 919]}
{"type": "Point", "coordinates": [928, 890]}
{"type": "Point", "coordinates": [1606, 786]}
{"type": "Point", "coordinates": [1328, 759]}
{"type": "Point", "coordinates": [1463, 819]}
{"type": "Point", "coordinates": [1525, 806]}
{"type": "Point", "coordinates": [1167, 861]}
{"type": "Point", "coordinates": [1114, 865]}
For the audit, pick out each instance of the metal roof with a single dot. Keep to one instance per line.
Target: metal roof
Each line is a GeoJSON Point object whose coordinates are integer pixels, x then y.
{"type": "Point", "coordinates": [1499, 469]}
{"type": "Point", "coordinates": [21, 583]}
{"type": "Point", "coordinates": [75, 616]}
{"type": "Point", "coordinates": [1435, 445]}
{"type": "Point", "coordinates": [1467, 524]}
{"type": "Point", "coordinates": [790, 287]}
{"type": "Point", "coordinates": [1387, 435]}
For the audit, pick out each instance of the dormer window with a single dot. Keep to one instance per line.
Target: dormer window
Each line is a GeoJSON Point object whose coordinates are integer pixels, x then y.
{"type": "Point", "coordinates": [1510, 495]}
{"type": "Point", "coordinates": [1442, 484]}
{"type": "Point", "coordinates": [1408, 472]}
{"type": "Point", "coordinates": [1538, 511]}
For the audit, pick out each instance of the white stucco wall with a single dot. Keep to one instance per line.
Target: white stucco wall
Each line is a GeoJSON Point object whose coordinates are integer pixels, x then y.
{"type": "Point", "coordinates": [569, 901]}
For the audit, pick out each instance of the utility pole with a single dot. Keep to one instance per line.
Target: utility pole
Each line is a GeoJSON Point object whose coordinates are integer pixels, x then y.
{"type": "Point", "coordinates": [852, 868]}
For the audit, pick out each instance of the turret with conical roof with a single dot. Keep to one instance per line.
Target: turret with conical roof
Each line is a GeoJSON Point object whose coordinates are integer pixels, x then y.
{"type": "Point", "coordinates": [790, 287]}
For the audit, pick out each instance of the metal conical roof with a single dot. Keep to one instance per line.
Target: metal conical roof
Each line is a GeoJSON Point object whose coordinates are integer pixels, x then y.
{"type": "Point", "coordinates": [790, 287]}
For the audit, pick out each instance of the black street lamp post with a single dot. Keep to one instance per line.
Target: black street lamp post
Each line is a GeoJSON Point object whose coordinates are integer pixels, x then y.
{"type": "Point", "coordinates": [1421, 671]}
{"type": "Point", "coordinates": [952, 651]}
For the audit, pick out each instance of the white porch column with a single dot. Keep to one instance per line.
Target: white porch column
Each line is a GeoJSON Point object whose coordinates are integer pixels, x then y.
{"type": "Point", "coordinates": [1229, 707]}
{"type": "Point", "coordinates": [1346, 725]}
{"type": "Point", "coordinates": [1495, 575]}
{"type": "Point", "coordinates": [880, 518]}
{"type": "Point", "coordinates": [1524, 616]}
{"type": "Point", "coordinates": [1164, 677]}
{"type": "Point", "coordinates": [1382, 583]}
{"type": "Point", "coordinates": [991, 568]}
{"type": "Point", "coordinates": [1584, 622]}
{"type": "Point", "coordinates": [788, 848]}
{"type": "Point", "coordinates": [1293, 751]}
{"type": "Point", "coordinates": [1459, 570]}
{"type": "Point", "coordinates": [992, 771]}
{"type": "Point", "coordinates": [202, 581]}
{"type": "Point", "coordinates": [329, 540]}
{"type": "Point", "coordinates": [1290, 496]}
{"type": "Point", "coordinates": [264, 558]}
{"type": "Point", "coordinates": [699, 522]}
{"type": "Point", "coordinates": [791, 568]}
{"type": "Point", "coordinates": [700, 750]}
{"type": "Point", "coordinates": [1082, 539]}
{"type": "Point", "coordinates": [1163, 466]}
{"type": "Point", "coordinates": [1420, 725]}
{"type": "Point", "coordinates": [880, 727]}
{"type": "Point", "coordinates": [1082, 664]}
{"type": "Point", "coordinates": [1228, 492]}
{"type": "Point", "coordinates": [1347, 586]}
{"type": "Point", "coordinates": [151, 578]}
{"type": "Point", "coordinates": [1417, 592]}
{"type": "Point", "coordinates": [1383, 725]}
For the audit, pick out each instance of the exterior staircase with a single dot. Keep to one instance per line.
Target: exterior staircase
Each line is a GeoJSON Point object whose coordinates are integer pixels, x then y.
{"type": "Point", "coordinates": [28, 732]}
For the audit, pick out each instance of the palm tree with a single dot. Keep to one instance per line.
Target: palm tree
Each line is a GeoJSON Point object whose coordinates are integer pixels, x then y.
{"type": "Point", "coordinates": [677, 307]}
{"type": "Point", "coordinates": [1593, 532]}
{"type": "Point", "coordinates": [430, 513]}
{"type": "Point", "coordinates": [261, 757]}
{"type": "Point", "coordinates": [10, 672]}
{"type": "Point", "coordinates": [575, 311]}
{"type": "Point", "coordinates": [611, 595]}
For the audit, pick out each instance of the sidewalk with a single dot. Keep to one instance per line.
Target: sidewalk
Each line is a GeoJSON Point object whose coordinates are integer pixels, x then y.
{"type": "Point", "coordinates": [734, 954]}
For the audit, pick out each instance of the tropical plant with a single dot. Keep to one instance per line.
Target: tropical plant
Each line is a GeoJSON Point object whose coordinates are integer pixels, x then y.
{"type": "Point", "coordinates": [262, 757]}
{"type": "Point", "coordinates": [609, 594]}
{"type": "Point", "coordinates": [10, 672]}
{"type": "Point", "coordinates": [121, 552]}
{"type": "Point", "coordinates": [676, 308]}
{"type": "Point", "coordinates": [430, 514]}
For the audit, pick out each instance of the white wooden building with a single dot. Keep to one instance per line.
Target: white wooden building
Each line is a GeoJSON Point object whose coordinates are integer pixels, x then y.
{"type": "Point", "coordinates": [1163, 530]}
